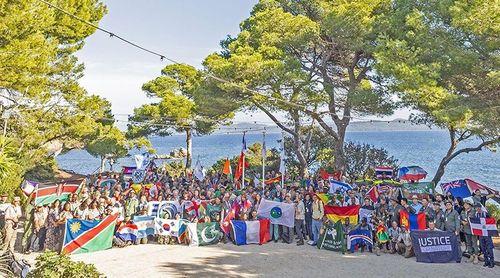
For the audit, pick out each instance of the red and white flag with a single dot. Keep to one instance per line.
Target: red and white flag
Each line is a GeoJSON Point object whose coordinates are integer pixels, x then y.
{"type": "Point", "coordinates": [483, 226]}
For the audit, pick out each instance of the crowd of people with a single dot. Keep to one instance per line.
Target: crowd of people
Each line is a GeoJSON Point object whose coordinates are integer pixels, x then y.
{"type": "Point", "coordinates": [44, 225]}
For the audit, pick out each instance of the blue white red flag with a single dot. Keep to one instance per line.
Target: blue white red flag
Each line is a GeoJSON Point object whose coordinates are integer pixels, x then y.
{"type": "Point", "coordinates": [250, 232]}
{"type": "Point", "coordinates": [127, 232]}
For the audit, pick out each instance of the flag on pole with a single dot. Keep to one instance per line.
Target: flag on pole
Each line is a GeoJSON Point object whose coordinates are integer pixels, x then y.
{"type": "Point", "coordinates": [127, 232]}
{"type": "Point", "coordinates": [227, 168]}
{"type": "Point", "coordinates": [338, 185]}
{"type": "Point", "coordinates": [240, 168]}
{"type": "Point", "coordinates": [199, 172]}
{"type": "Point", "coordinates": [282, 169]}
{"type": "Point", "coordinates": [373, 194]}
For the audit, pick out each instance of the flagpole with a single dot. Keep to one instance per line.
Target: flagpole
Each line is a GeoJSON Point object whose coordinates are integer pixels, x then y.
{"type": "Point", "coordinates": [263, 161]}
{"type": "Point", "coordinates": [243, 172]}
{"type": "Point", "coordinates": [282, 161]}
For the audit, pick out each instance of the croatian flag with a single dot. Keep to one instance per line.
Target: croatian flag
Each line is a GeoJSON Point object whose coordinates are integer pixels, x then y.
{"type": "Point", "coordinates": [483, 226]}
{"type": "Point", "coordinates": [338, 185]}
{"type": "Point", "coordinates": [251, 232]}
{"type": "Point", "coordinates": [127, 232]}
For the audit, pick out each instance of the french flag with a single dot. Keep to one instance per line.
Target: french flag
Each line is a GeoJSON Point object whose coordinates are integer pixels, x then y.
{"type": "Point", "coordinates": [127, 232]}
{"type": "Point", "coordinates": [251, 232]}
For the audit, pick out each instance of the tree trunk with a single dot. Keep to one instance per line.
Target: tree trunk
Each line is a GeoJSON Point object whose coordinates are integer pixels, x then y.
{"type": "Point", "coordinates": [103, 164]}
{"type": "Point", "coordinates": [189, 147]}
{"type": "Point", "coordinates": [338, 152]}
{"type": "Point", "coordinates": [300, 156]}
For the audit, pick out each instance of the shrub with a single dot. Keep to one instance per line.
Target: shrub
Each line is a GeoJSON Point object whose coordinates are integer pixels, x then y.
{"type": "Point", "coordinates": [53, 265]}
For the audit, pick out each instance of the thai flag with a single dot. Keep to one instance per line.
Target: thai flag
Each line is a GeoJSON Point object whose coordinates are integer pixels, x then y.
{"type": "Point", "coordinates": [127, 232]}
{"type": "Point", "coordinates": [338, 185]}
{"type": "Point", "coordinates": [251, 232]}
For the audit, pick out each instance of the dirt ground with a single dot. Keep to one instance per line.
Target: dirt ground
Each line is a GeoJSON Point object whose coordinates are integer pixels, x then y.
{"type": "Point", "coordinates": [270, 260]}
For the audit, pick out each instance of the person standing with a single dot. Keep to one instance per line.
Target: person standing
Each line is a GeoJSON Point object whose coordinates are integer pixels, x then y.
{"type": "Point", "coordinates": [317, 217]}
{"type": "Point", "coordinates": [12, 215]}
{"type": "Point", "coordinates": [299, 219]}
{"type": "Point", "coordinates": [470, 239]}
{"type": "Point", "coordinates": [438, 217]}
{"type": "Point", "coordinates": [308, 215]}
{"type": "Point", "coordinates": [39, 229]}
{"type": "Point", "coordinates": [485, 242]}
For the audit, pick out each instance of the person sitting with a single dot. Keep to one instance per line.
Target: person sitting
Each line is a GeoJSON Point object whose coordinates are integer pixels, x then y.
{"type": "Point", "coordinates": [394, 231]}
{"type": "Point", "coordinates": [404, 244]}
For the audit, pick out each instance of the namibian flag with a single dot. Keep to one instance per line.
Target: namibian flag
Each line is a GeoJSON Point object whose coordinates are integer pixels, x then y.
{"type": "Point", "coordinates": [48, 193]}
{"type": "Point", "coordinates": [341, 213]}
{"type": "Point", "coordinates": [82, 236]}
{"type": "Point", "coordinates": [251, 232]}
{"type": "Point", "coordinates": [412, 221]}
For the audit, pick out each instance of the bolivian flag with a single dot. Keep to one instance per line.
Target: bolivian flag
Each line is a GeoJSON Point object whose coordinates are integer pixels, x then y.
{"type": "Point", "coordinates": [335, 213]}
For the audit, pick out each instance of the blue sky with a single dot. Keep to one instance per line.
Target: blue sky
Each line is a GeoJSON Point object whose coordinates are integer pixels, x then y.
{"type": "Point", "coordinates": [184, 30]}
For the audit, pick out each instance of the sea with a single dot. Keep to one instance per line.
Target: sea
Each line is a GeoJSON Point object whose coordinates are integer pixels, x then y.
{"type": "Point", "coordinates": [422, 148]}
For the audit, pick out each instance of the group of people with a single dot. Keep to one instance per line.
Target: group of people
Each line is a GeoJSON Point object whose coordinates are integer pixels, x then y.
{"type": "Point", "coordinates": [44, 224]}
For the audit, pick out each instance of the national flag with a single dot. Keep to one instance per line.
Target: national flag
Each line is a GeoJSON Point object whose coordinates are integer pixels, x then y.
{"type": "Point", "coordinates": [127, 232]}
{"type": "Point", "coordinates": [421, 189]}
{"type": "Point", "coordinates": [145, 225]}
{"type": "Point", "coordinates": [412, 221]}
{"type": "Point", "coordinates": [227, 168]}
{"type": "Point", "coordinates": [373, 194]}
{"type": "Point", "coordinates": [333, 238]}
{"type": "Point", "coordinates": [154, 208]}
{"type": "Point", "coordinates": [82, 236]}
{"type": "Point", "coordinates": [337, 175]}
{"type": "Point", "coordinates": [359, 236]}
{"type": "Point", "coordinates": [277, 212]}
{"type": "Point", "coordinates": [338, 185]}
{"type": "Point", "coordinates": [28, 187]}
{"type": "Point", "coordinates": [168, 227]}
{"type": "Point", "coordinates": [382, 172]}
{"type": "Point", "coordinates": [49, 192]}
{"type": "Point", "coordinates": [273, 180]}
{"type": "Point", "coordinates": [201, 234]}
{"type": "Point", "coordinates": [483, 226]}
{"type": "Point", "coordinates": [251, 232]}
{"type": "Point", "coordinates": [464, 188]}
{"type": "Point", "coordinates": [241, 160]}
{"type": "Point", "coordinates": [325, 198]}
{"type": "Point", "coordinates": [128, 170]}
{"type": "Point", "coordinates": [335, 213]}
{"type": "Point", "coordinates": [382, 235]}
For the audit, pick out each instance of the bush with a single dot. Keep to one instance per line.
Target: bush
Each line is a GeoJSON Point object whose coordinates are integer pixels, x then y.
{"type": "Point", "coordinates": [53, 265]}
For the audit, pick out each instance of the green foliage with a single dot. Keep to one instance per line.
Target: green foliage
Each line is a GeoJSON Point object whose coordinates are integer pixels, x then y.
{"type": "Point", "coordinates": [39, 87]}
{"type": "Point", "coordinates": [107, 141]}
{"type": "Point", "coordinates": [254, 160]}
{"type": "Point", "coordinates": [444, 60]}
{"type": "Point", "coordinates": [306, 56]}
{"type": "Point", "coordinates": [493, 210]}
{"type": "Point", "coordinates": [363, 158]}
{"type": "Point", "coordinates": [53, 265]}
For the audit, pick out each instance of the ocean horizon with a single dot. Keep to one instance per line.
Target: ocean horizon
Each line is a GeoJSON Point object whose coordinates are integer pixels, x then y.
{"type": "Point", "coordinates": [422, 148]}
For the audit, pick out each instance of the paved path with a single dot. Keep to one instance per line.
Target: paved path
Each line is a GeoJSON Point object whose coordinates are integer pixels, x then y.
{"type": "Point", "coordinates": [270, 260]}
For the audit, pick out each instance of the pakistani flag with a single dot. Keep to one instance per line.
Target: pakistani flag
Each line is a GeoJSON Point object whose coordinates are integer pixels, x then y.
{"type": "Point", "coordinates": [333, 238]}
{"type": "Point", "coordinates": [202, 234]}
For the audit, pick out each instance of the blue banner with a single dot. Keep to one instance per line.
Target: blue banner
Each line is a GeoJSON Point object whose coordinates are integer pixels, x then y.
{"type": "Point", "coordinates": [436, 246]}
